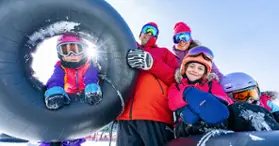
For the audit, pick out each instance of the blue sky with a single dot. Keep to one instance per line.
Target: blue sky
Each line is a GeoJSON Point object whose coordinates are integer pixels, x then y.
{"type": "Point", "coordinates": [242, 34]}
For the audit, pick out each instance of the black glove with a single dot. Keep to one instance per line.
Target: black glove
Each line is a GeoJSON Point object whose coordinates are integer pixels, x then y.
{"type": "Point", "coordinates": [93, 94]}
{"type": "Point", "coordinates": [139, 59]}
{"type": "Point", "coordinates": [54, 102]}
{"type": "Point", "coordinates": [93, 98]}
{"type": "Point", "coordinates": [184, 130]}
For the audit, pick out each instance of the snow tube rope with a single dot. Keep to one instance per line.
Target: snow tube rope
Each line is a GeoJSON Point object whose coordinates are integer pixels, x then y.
{"type": "Point", "coordinates": [103, 77]}
{"type": "Point", "coordinates": [26, 23]}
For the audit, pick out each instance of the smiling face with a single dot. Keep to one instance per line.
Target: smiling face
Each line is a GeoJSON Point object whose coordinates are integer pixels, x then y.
{"type": "Point", "coordinates": [195, 71]}
{"type": "Point", "coordinates": [144, 38]}
{"type": "Point", "coordinates": [182, 46]}
{"type": "Point", "coordinates": [72, 58]}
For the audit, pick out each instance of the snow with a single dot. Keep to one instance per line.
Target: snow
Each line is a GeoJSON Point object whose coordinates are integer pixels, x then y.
{"type": "Point", "coordinates": [55, 28]}
{"type": "Point", "coordinates": [88, 143]}
{"type": "Point", "coordinates": [257, 119]}
{"type": "Point", "coordinates": [256, 138]}
{"type": "Point", "coordinates": [210, 134]}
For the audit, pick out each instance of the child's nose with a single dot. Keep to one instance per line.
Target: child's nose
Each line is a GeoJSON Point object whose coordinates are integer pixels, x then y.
{"type": "Point", "coordinates": [195, 70]}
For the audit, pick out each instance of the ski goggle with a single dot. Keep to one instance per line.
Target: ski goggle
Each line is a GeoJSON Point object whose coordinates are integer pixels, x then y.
{"type": "Point", "coordinates": [207, 53]}
{"type": "Point", "coordinates": [184, 36]}
{"type": "Point", "coordinates": [244, 95]}
{"type": "Point", "coordinates": [150, 29]}
{"type": "Point", "coordinates": [66, 49]}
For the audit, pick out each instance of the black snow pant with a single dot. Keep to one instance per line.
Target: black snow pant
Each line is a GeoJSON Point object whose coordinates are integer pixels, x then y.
{"type": "Point", "coordinates": [143, 133]}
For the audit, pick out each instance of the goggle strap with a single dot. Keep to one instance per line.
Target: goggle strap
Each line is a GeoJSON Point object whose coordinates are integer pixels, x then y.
{"type": "Point", "coordinates": [245, 89]}
{"type": "Point", "coordinates": [203, 55]}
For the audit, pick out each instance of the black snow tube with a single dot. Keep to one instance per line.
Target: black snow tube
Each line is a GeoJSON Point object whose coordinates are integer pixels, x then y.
{"type": "Point", "coordinates": [9, 139]}
{"type": "Point", "coordinates": [225, 138]}
{"type": "Point", "coordinates": [24, 24]}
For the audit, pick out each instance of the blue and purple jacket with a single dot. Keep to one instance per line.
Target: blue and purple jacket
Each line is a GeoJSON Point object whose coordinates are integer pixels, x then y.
{"type": "Point", "coordinates": [73, 80]}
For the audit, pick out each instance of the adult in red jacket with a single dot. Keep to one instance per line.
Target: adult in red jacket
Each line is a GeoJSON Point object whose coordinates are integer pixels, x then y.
{"type": "Point", "coordinates": [147, 120]}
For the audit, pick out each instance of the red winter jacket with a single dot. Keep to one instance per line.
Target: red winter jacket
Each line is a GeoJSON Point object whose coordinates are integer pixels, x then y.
{"type": "Point", "coordinates": [149, 101]}
{"type": "Point", "coordinates": [175, 92]}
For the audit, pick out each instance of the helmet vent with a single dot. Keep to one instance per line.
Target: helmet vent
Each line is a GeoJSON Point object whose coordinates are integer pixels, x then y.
{"type": "Point", "coordinates": [228, 87]}
{"type": "Point", "coordinates": [250, 82]}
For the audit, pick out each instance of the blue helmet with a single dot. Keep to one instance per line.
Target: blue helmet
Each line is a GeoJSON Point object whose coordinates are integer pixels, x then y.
{"type": "Point", "coordinates": [236, 81]}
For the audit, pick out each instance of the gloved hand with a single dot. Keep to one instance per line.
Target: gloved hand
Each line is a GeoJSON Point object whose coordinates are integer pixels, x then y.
{"type": "Point", "coordinates": [206, 105]}
{"type": "Point", "coordinates": [181, 129]}
{"type": "Point", "coordinates": [205, 88]}
{"type": "Point", "coordinates": [188, 116]}
{"type": "Point", "coordinates": [56, 97]}
{"type": "Point", "coordinates": [184, 130]}
{"type": "Point", "coordinates": [93, 94]}
{"type": "Point", "coordinates": [213, 76]}
{"type": "Point", "coordinates": [140, 59]}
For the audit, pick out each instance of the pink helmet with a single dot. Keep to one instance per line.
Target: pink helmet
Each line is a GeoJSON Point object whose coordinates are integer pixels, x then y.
{"type": "Point", "coordinates": [79, 49]}
{"type": "Point", "coordinates": [69, 38]}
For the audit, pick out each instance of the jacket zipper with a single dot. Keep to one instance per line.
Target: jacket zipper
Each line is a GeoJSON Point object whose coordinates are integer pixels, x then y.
{"type": "Point", "coordinates": [133, 99]}
{"type": "Point", "coordinates": [131, 108]}
{"type": "Point", "coordinates": [77, 79]}
{"type": "Point", "coordinates": [160, 85]}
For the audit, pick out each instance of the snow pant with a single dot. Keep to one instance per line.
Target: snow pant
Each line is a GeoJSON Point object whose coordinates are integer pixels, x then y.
{"type": "Point", "coordinates": [143, 133]}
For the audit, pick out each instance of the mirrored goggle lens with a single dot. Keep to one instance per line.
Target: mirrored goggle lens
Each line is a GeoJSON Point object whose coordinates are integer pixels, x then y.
{"type": "Point", "coordinates": [186, 37]}
{"type": "Point", "coordinates": [201, 50]}
{"type": "Point", "coordinates": [150, 29]}
{"type": "Point", "coordinates": [243, 96]}
{"type": "Point", "coordinates": [68, 48]}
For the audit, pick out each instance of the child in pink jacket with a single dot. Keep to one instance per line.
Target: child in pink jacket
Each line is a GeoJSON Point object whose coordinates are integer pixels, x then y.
{"type": "Point", "coordinates": [199, 103]}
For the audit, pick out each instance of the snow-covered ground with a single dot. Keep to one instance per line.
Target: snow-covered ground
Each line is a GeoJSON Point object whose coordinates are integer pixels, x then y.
{"type": "Point", "coordinates": [88, 143]}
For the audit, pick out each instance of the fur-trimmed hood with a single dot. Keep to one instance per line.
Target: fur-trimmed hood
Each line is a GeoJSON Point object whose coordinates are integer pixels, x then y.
{"type": "Point", "coordinates": [178, 77]}
{"type": "Point", "coordinates": [272, 94]}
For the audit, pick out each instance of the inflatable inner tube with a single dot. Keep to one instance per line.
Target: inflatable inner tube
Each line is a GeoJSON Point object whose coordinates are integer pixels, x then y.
{"type": "Point", "coordinates": [24, 24]}
{"type": "Point", "coordinates": [9, 139]}
{"type": "Point", "coordinates": [229, 138]}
